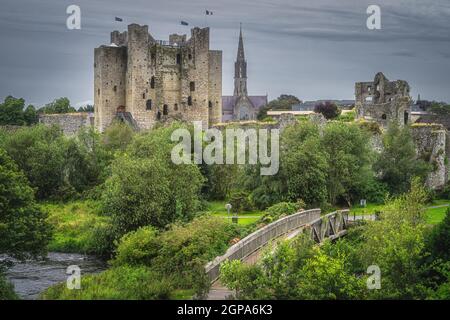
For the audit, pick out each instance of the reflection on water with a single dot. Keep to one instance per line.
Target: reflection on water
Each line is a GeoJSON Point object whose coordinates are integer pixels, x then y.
{"type": "Point", "coordinates": [32, 277]}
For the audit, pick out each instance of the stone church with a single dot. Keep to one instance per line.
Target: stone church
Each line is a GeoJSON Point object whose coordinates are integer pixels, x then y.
{"type": "Point", "coordinates": [143, 81]}
{"type": "Point", "coordinates": [240, 106]}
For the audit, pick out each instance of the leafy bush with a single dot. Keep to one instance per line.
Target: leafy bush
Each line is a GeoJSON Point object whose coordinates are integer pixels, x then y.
{"type": "Point", "coordinates": [147, 188]}
{"type": "Point", "coordinates": [239, 201]}
{"type": "Point", "coordinates": [24, 231]}
{"type": "Point", "coordinates": [6, 289]}
{"type": "Point", "coordinates": [328, 109]}
{"type": "Point", "coordinates": [278, 211]}
{"type": "Point", "coordinates": [179, 253]}
{"type": "Point", "coordinates": [398, 162]}
{"type": "Point", "coordinates": [124, 283]}
{"type": "Point", "coordinates": [347, 116]}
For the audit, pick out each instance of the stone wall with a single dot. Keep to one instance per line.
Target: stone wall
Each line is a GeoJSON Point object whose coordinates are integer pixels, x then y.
{"type": "Point", "coordinates": [433, 146]}
{"type": "Point", "coordinates": [70, 123]}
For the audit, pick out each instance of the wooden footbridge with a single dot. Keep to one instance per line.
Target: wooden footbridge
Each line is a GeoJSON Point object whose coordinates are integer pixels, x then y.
{"type": "Point", "coordinates": [330, 226]}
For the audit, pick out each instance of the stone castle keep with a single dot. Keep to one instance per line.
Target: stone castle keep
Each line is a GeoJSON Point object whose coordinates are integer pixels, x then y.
{"type": "Point", "coordinates": [144, 81]}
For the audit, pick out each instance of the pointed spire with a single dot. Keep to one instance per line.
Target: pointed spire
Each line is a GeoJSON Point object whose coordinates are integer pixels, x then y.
{"type": "Point", "coordinates": [240, 53]}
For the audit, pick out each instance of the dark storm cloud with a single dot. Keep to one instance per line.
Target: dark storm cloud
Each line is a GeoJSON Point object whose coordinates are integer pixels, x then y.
{"type": "Point", "coordinates": [313, 49]}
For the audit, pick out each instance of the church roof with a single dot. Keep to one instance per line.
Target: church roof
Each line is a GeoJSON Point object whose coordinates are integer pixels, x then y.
{"type": "Point", "coordinates": [228, 102]}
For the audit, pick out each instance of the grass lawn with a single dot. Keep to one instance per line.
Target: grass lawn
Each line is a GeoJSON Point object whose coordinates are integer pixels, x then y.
{"type": "Point", "coordinates": [217, 208]}
{"type": "Point", "coordinates": [434, 215]}
{"type": "Point", "coordinates": [73, 224]}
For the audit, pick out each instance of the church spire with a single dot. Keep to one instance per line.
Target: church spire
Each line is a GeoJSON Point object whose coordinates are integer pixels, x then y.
{"type": "Point", "coordinates": [240, 69]}
{"type": "Point", "coordinates": [240, 53]}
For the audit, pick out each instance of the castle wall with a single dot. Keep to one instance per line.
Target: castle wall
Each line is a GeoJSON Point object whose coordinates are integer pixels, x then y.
{"type": "Point", "coordinates": [70, 123]}
{"type": "Point", "coordinates": [431, 144]}
{"type": "Point", "coordinates": [215, 87]}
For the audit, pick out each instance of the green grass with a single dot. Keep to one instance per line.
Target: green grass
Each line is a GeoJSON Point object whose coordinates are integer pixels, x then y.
{"type": "Point", "coordinates": [433, 215]}
{"type": "Point", "coordinates": [217, 208]}
{"type": "Point", "coordinates": [74, 224]}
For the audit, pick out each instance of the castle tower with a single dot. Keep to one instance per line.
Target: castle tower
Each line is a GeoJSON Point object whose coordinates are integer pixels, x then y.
{"type": "Point", "coordinates": [143, 81]}
{"type": "Point", "coordinates": [240, 70]}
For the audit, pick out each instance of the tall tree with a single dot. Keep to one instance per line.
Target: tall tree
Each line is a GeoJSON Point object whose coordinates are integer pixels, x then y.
{"type": "Point", "coordinates": [11, 112]}
{"type": "Point", "coordinates": [61, 105]}
{"type": "Point", "coordinates": [398, 162]}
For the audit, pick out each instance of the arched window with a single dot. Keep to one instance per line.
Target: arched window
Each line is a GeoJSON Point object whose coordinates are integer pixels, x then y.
{"type": "Point", "coordinates": [143, 96]}
{"type": "Point", "coordinates": [384, 117]}
{"type": "Point", "coordinates": [178, 58]}
{"type": "Point", "coordinates": [152, 82]}
{"type": "Point", "coordinates": [115, 89]}
{"type": "Point", "coordinates": [158, 115]}
{"type": "Point", "coordinates": [189, 101]}
{"type": "Point", "coordinates": [210, 105]}
{"type": "Point", "coordinates": [175, 107]}
{"type": "Point", "coordinates": [192, 86]}
{"type": "Point", "coordinates": [148, 104]}
{"type": "Point", "coordinates": [165, 109]}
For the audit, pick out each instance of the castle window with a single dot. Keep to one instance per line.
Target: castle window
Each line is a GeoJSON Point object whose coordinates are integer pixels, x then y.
{"type": "Point", "coordinates": [178, 58]}
{"type": "Point", "coordinates": [192, 86]}
{"type": "Point", "coordinates": [152, 82]}
{"type": "Point", "coordinates": [148, 104]}
{"type": "Point", "coordinates": [384, 117]}
{"type": "Point", "coordinates": [210, 104]}
{"type": "Point", "coordinates": [190, 56]}
{"type": "Point", "coordinates": [175, 107]}
{"type": "Point", "coordinates": [143, 96]}
{"type": "Point", "coordinates": [98, 91]}
{"type": "Point", "coordinates": [165, 109]}
{"type": "Point", "coordinates": [115, 89]}
{"type": "Point", "coordinates": [189, 101]}
{"type": "Point", "coordinates": [158, 115]}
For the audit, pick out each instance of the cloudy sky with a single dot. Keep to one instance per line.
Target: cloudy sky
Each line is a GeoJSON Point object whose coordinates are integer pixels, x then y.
{"type": "Point", "coordinates": [312, 49]}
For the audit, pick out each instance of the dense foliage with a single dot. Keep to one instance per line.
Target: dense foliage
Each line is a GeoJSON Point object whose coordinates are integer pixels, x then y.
{"type": "Point", "coordinates": [328, 109]}
{"type": "Point", "coordinates": [24, 232]}
{"type": "Point", "coordinates": [13, 112]}
{"type": "Point", "coordinates": [396, 243]}
{"type": "Point", "coordinates": [398, 163]}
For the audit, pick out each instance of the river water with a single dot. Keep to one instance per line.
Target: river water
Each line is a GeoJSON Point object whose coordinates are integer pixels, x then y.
{"type": "Point", "coordinates": [30, 278]}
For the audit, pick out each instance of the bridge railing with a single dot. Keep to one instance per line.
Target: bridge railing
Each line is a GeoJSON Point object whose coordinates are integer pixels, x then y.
{"type": "Point", "coordinates": [332, 225]}
{"type": "Point", "coordinates": [261, 237]}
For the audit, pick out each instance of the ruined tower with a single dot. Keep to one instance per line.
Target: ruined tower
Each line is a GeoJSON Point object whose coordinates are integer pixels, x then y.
{"type": "Point", "coordinates": [383, 101]}
{"type": "Point", "coordinates": [145, 81]}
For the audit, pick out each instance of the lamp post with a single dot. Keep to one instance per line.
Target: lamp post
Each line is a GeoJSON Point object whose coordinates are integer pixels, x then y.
{"type": "Point", "coordinates": [228, 207]}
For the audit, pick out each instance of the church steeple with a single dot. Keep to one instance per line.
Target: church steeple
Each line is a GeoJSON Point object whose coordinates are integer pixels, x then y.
{"type": "Point", "coordinates": [240, 69]}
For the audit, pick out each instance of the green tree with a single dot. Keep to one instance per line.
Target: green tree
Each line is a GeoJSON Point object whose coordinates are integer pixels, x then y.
{"type": "Point", "coordinates": [147, 188]}
{"type": "Point", "coordinates": [349, 160]}
{"type": "Point", "coordinates": [60, 105]}
{"type": "Point", "coordinates": [398, 162]}
{"type": "Point", "coordinates": [118, 136]}
{"type": "Point", "coordinates": [283, 102]}
{"type": "Point", "coordinates": [30, 115]}
{"type": "Point", "coordinates": [396, 244]}
{"type": "Point", "coordinates": [328, 109]}
{"type": "Point", "coordinates": [24, 231]}
{"type": "Point", "coordinates": [11, 111]}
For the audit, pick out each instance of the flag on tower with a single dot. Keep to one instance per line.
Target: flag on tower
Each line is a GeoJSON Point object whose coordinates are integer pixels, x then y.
{"type": "Point", "coordinates": [118, 19]}
{"type": "Point", "coordinates": [184, 23]}
{"type": "Point", "coordinates": [209, 13]}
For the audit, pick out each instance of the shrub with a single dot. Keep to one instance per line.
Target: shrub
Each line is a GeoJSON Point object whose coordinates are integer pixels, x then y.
{"type": "Point", "coordinates": [6, 289]}
{"type": "Point", "coordinates": [239, 201]}
{"type": "Point", "coordinates": [124, 283]}
{"type": "Point", "coordinates": [24, 231]}
{"type": "Point", "coordinates": [278, 211]}
{"type": "Point", "coordinates": [137, 248]}
{"type": "Point", "coordinates": [328, 109]}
